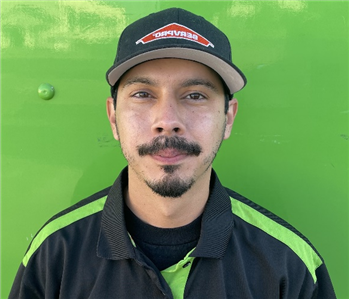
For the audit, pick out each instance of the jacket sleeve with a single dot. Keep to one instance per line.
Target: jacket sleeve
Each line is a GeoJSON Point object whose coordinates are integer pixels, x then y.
{"type": "Point", "coordinates": [324, 288]}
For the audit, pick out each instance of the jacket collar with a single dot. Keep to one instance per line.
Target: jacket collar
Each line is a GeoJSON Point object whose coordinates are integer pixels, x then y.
{"type": "Point", "coordinates": [216, 227]}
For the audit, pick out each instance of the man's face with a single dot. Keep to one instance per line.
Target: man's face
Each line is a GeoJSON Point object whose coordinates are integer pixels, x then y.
{"type": "Point", "coordinates": [170, 122]}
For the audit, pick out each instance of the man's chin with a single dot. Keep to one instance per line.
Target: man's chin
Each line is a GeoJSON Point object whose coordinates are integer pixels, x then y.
{"type": "Point", "coordinates": [170, 186]}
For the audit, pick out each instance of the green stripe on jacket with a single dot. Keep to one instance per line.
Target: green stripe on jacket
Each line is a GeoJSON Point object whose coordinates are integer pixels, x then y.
{"type": "Point", "coordinates": [299, 246]}
{"type": "Point", "coordinates": [63, 221]}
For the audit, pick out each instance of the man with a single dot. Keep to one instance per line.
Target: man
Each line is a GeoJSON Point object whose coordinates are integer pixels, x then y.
{"type": "Point", "coordinates": [167, 228]}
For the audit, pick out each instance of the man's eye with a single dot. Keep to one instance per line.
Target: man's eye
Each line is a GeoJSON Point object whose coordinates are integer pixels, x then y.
{"type": "Point", "coordinates": [141, 94]}
{"type": "Point", "coordinates": [195, 96]}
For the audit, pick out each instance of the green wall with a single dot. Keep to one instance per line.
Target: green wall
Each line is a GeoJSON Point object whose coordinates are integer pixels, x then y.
{"type": "Point", "coordinates": [289, 148]}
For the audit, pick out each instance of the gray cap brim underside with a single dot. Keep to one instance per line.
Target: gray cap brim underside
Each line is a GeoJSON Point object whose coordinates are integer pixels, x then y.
{"type": "Point", "coordinates": [229, 74]}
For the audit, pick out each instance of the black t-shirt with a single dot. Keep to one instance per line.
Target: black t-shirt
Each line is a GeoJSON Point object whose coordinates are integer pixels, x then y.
{"type": "Point", "coordinates": [163, 246]}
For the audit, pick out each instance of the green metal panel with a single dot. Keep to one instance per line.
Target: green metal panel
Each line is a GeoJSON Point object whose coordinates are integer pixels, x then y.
{"type": "Point", "coordinates": [289, 149]}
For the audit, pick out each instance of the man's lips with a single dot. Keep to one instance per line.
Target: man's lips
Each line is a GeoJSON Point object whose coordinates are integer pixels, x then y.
{"type": "Point", "coordinates": [169, 156]}
{"type": "Point", "coordinates": [168, 153]}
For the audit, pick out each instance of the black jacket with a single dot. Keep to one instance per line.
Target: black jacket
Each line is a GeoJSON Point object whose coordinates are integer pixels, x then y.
{"type": "Point", "coordinates": [243, 252]}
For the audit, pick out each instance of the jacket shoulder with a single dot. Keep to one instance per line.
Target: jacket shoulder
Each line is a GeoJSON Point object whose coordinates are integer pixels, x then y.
{"type": "Point", "coordinates": [277, 228]}
{"type": "Point", "coordinates": [84, 208]}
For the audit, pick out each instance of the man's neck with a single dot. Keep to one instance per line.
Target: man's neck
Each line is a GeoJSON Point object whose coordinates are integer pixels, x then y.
{"type": "Point", "coordinates": [166, 212]}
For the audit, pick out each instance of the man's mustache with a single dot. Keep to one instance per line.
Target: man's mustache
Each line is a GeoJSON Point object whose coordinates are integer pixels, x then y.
{"type": "Point", "coordinates": [164, 142]}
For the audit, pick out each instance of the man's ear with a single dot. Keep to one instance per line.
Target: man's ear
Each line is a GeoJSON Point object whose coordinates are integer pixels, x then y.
{"type": "Point", "coordinates": [111, 117]}
{"type": "Point", "coordinates": [230, 117]}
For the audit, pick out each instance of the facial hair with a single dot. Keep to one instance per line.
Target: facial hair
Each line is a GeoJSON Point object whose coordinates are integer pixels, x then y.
{"type": "Point", "coordinates": [164, 142]}
{"type": "Point", "coordinates": [171, 184]}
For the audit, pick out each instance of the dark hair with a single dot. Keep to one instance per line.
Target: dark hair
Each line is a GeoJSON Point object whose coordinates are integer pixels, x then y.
{"type": "Point", "coordinates": [227, 95]}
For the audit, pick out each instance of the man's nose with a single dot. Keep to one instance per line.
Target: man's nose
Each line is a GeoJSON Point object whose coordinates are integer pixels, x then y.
{"type": "Point", "coordinates": [168, 117]}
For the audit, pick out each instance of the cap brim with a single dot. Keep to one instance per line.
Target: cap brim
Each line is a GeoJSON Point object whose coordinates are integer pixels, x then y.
{"type": "Point", "coordinates": [231, 75]}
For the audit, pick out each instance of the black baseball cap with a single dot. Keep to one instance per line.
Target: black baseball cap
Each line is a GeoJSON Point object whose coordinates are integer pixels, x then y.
{"type": "Point", "coordinates": [176, 33]}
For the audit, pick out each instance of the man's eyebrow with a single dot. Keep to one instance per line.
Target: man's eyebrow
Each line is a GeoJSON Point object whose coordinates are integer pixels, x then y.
{"type": "Point", "coordinates": [206, 83]}
{"type": "Point", "coordinates": [142, 80]}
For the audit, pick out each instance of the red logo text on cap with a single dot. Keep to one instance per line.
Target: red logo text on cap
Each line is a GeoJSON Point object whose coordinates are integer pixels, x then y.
{"type": "Point", "coordinates": [175, 30]}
